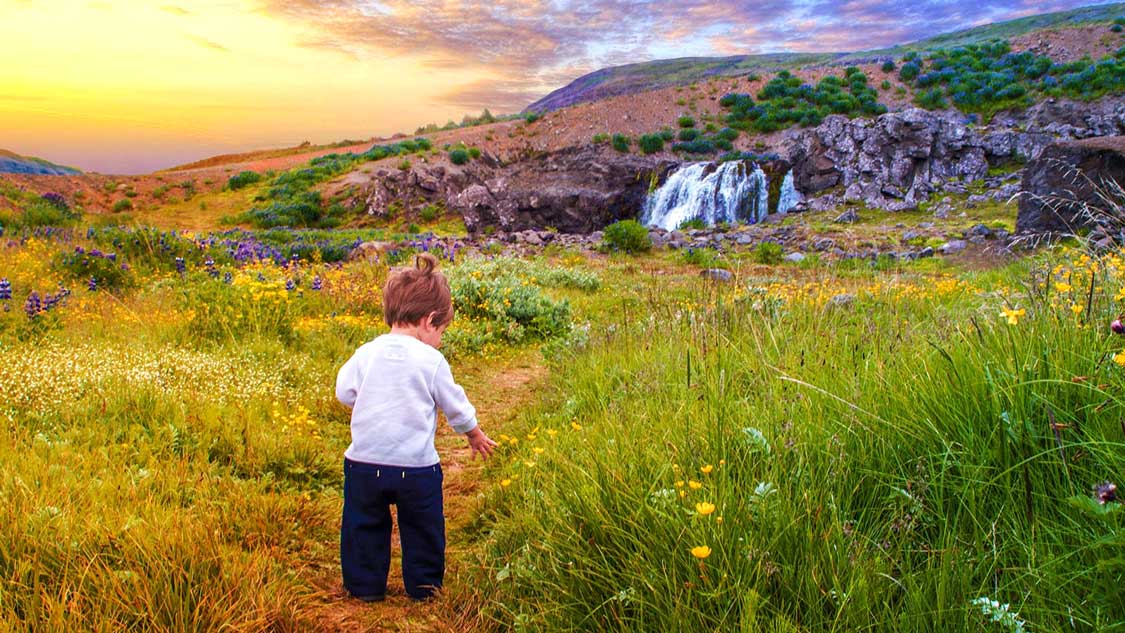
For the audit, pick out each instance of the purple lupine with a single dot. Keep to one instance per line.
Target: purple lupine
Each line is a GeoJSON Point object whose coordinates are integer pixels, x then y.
{"type": "Point", "coordinates": [1105, 492]}
{"type": "Point", "coordinates": [211, 270]}
{"type": "Point", "coordinates": [316, 283]}
{"type": "Point", "coordinates": [56, 200]}
{"type": "Point", "coordinates": [227, 277]}
{"type": "Point", "coordinates": [290, 285]}
{"type": "Point", "coordinates": [5, 289]}
{"type": "Point", "coordinates": [181, 265]}
{"type": "Point", "coordinates": [92, 285]}
{"type": "Point", "coordinates": [49, 302]}
{"type": "Point", "coordinates": [33, 306]}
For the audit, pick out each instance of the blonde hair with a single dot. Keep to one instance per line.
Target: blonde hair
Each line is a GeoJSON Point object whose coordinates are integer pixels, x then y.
{"type": "Point", "coordinates": [411, 295]}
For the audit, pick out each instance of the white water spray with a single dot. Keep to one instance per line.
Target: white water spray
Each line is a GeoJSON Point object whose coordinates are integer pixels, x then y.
{"type": "Point", "coordinates": [731, 192]}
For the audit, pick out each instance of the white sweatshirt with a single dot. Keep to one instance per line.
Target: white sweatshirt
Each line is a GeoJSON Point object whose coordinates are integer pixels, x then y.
{"type": "Point", "coordinates": [394, 385]}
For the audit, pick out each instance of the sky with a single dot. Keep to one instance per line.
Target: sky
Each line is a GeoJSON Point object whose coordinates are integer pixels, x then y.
{"type": "Point", "coordinates": [132, 86]}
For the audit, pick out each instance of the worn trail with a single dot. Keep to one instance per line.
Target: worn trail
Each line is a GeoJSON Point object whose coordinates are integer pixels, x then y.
{"type": "Point", "coordinates": [499, 389]}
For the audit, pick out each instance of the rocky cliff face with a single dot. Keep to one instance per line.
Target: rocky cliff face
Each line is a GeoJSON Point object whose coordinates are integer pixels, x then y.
{"type": "Point", "coordinates": [898, 159]}
{"type": "Point", "coordinates": [574, 190]}
{"type": "Point", "coordinates": [1075, 184]}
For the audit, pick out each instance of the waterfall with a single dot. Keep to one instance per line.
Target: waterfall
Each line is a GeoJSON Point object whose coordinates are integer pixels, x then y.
{"type": "Point", "coordinates": [789, 196]}
{"type": "Point", "coordinates": [733, 191]}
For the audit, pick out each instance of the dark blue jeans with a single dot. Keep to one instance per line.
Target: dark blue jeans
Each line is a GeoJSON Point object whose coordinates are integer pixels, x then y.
{"type": "Point", "coordinates": [365, 531]}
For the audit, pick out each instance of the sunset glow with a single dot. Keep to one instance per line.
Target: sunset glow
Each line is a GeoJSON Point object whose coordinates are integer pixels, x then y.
{"type": "Point", "coordinates": [132, 86]}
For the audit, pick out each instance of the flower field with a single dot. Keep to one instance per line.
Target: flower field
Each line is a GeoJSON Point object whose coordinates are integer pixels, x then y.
{"type": "Point", "coordinates": [807, 448]}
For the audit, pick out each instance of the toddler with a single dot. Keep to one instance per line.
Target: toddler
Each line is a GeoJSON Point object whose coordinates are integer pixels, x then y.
{"type": "Point", "coordinates": [394, 385]}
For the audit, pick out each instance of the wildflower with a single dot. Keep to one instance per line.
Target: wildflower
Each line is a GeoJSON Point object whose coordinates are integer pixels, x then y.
{"type": "Point", "coordinates": [1105, 492]}
{"type": "Point", "coordinates": [5, 289]}
{"type": "Point", "coordinates": [680, 483]}
{"type": "Point", "coordinates": [1013, 316]}
{"type": "Point", "coordinates": [1076, 308]}
{"type": "Point", "coordinates": [694, 485]}
{"type": "Point", "coordinates": [552, 432]}
{"type": "Point", "coordinates": [576, 426]}
{"type": "Point", "coordinates": [706, 470]}
{"type": "Point", "coordinates": [181, 265]}
{"type": "Point", "coordinates": [704, 508]}
{"type": "Point", "coordinates": [529, 464]}
{"type": "Point", "coordinates": [537, 450]}
{"type": "Point", "coordinates": [719, 520]}
{"type": "Point", "coordinates": [1062, 286]}
{"type": "Point", "coordinates": [290, 285]}
{"type": "Point", "coordinates": [317, 283]}
{"type": "Point", "coordinates": [701, 552]}
{"type": "Point", "coordinates": [92, 285]}
{"type": "Point", "coordinates": [1119, 358]}
{"type": "Point", "coordinates": [33, 306]}
{"type": "Point", "coordinates": [504, 483]}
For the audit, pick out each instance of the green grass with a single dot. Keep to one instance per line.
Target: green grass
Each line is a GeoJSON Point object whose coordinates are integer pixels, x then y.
{"type": "Point", "coordinates": [876, 467]}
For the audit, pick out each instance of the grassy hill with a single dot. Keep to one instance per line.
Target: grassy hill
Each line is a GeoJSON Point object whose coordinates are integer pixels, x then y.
{"type": "Point", "coordinates": [13, 163]}
{"type": "Point", "coordinates": [632, 78]}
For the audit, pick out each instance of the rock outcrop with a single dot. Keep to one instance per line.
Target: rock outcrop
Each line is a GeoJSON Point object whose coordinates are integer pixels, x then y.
{"type": "Point", "coordinates": [1071, 185]}
{"type": "Point", "coordinates": [893, 161]}
{"type": "Point", "coordinates": [573, 190]}
{"type": "Point", "coordinates": [899, 159]}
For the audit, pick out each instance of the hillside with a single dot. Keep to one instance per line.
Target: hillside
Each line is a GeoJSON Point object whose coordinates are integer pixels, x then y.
{"type": "Point", "coordinates": [643, 76]}
{"type": "Point", "coordinates": [13, 163]}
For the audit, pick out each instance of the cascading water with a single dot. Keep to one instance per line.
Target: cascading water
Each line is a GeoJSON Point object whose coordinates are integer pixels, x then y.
{"type": "Point", "coordinates": [731, 192]}
{"type": "Point", "coordinates": [789, 196]}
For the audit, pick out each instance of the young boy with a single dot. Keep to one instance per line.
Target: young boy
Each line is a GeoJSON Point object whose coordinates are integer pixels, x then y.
{"type": "Point", "coordinates": [394, 385]}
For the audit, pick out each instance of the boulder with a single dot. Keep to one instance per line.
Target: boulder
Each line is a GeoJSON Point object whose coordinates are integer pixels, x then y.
{"type": "Point", "coordinates": [717, 274]}
{"type": "Point", "coordinates": [1062, 190]}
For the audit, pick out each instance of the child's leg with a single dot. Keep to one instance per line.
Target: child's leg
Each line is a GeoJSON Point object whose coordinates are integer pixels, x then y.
{"type": "Point", "coordinates": [421, 525]}
{"type": "Point", "coordinates": [365, 531]}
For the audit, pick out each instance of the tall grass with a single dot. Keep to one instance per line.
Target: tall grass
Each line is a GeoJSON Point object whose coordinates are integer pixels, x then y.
{"type": "Point", "coordinates": [875, 465]}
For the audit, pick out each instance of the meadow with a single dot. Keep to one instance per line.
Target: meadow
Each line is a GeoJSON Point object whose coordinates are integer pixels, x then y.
{"type": "Point", "coordinates": [904, 447]}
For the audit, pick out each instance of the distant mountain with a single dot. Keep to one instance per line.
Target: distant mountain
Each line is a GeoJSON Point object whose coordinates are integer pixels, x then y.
{"type": "Point", "coordinates": [632, 78]}
{"type": "Point", "coordinates": [12, 163]}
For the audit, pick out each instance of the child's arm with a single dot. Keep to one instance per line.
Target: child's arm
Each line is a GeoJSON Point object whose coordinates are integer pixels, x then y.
{"type": "Point", "coordinates": [461, 414]}
{"type": "Point", "coordinates": [348, 381]}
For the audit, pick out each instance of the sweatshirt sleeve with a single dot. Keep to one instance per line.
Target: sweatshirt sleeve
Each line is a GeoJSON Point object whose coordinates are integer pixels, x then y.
{"type": "Point", "coordinates": [450, 397]}
{"type": "Point", "coordinates": [348, 381]}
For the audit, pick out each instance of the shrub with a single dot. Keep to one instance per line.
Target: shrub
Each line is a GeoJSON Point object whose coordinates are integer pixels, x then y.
{"type": "Point", "coordinates": [888, 66]}
{"type": "Point", "coordinates": [236, 182]}
{"type": "Point", "coordinates": [600, 138]}
{"type": "Point", "coordinates": [909, 71]}
{"type": "Point", "coordinates": [627, 236]}
{"type": "Point", "coordinates": [105, 269]}
{"type": "Point", "coordinates": [686, 121]}
{"type": "Point", "coordinates": [702, 257]}
{"type": "Point", "coordinates": [689, 134]}
{"type": "Point", "coordinates": [768, 253]}
{"type": "Point", "coordinates": [404, 165]}
{"type": "Point", "coordinates": [1116, 28]}
{"type": "Point", "coordinates": [122, 205]}
{"type": "Point", "coordinates": [474, 153]}
{"type": "Point", "coordinates": [668, 135]}
{"type": "Point", "coordinates": [698, 146]}
{"type": "Point", "coordinates": [886, 85]}
{"type": "Point", "coordinates": [693, 223]}
{"type": "Point", "coordinates": [459, 156]}
{"type": "Point", "coordinates": [650, 143]}
{"type": "Point", "coordinates": [932, 99]}
{"type": "Point", "coordinates": [621, 142]}
{"type": "Point", "coordinates": [429, 213]}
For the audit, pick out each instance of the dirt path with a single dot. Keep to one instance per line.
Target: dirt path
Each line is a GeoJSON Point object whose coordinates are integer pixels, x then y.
{"type": "Point", "coordinates": [499, 390]}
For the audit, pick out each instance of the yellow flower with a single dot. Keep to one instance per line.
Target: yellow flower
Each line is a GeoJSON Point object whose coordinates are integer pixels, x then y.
{"type": "Point", "coordinates": [704, 508]}
{"type": "Point", "coordinates": [537, 450]}
{"type": "Point", "coordinates": [1119, 358]}
{"type": "Point", "coordinates": [683, 493]}
{"type": "Point", "coordinates": [1120, 294]}
{"type": "Point", "coordinates": [504, 483]}
{"type": "Point", "coordinates": [576, 426]}
{"type": "Point", "coordinates": [701, 552]}
{"type": "Point", "coordinates": [706, 470]}
{"type": "Point", "coordinates": [680, 483]}
{"type": "Point", "coordinates": [719, 520]}
{"type": "Point", "coordinates": [1013, 316]}
{"type": "Point", "coordinates": [1062, 286]}
{"type": "Point", "coordinates": [529, 464]}
{"type": "Point", "coordinates": [1075, 308]}
{"type": "Point", "coordinates": [552, 432]}
{"type": "Point", "coordinates": [694, 485]}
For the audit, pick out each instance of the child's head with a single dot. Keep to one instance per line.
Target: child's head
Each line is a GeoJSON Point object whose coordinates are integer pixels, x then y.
{"type": "Point", "coordinates": [418, 295]}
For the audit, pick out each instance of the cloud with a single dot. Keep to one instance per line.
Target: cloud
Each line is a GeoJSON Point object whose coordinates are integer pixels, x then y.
{"type": "Point", "coordinates": [171, 8]}
{"type": "Point", "coordinates": [330, 45]}
{"type": "Point", "coordinates": [499, 95]}
{"type": "Point", "coordinates": [202, 41]}
{"type": "Point", "coordinates": [533, 43]}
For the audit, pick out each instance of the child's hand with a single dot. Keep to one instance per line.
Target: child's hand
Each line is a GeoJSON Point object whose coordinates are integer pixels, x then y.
{"type": "Point", "coordinates": [480, 443]}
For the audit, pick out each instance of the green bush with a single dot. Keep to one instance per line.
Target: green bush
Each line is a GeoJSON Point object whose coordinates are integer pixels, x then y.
{"type": "Point", "coordinates": [474, 153]}
{"type": "Point", "coordinates": [599, 138]}
{"type": "Point", "coordinates": [686, 121]}
{"type": "Point", "coordinates": [459, 156]}
{"type": "Point", "coordinates": [238, 181]}
{"type": "Point", "coordinates": [888, 66]}
{"type": "Point", "coordinates": [689, 134]}
{"type": "Point", "coordinates": [106, 269]}
{"type": "Point", "coordinates": [122, 205]}
{"type": "Point", "coordinates": [650, 143]}
{"type": "Point", "coordinates": [621, 142]}
{"type": "Point", "coordinates": [693, 223]}
{"type": "Point", "coordinates": [531, 117]}
{"type": "Point", "coordinates": [909, 71]}
{"type": "Point", "coordinates": [768, 253]}
{"type": "Point", "coordinates": [628, 236]}
{"type": "Point", "coordinates": [429, 213]}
